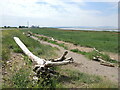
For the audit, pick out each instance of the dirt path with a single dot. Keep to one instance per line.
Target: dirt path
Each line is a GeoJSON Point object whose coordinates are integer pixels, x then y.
{"type": "Point", "coordinates": [85, 65]}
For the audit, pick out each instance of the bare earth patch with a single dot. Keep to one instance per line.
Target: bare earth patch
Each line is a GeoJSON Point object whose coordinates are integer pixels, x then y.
{"type": "Point", "coordinates": [12, 65]}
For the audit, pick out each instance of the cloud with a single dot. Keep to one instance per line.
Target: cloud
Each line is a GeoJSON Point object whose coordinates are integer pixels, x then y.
{"type": "Point", "coordinates": [54, 13]}
{"type": "Point", "coordinates": [96, 0]}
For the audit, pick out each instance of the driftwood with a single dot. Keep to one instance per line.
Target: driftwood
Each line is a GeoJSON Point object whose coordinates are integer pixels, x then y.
{"type": "Point", "coordinates": [103, 62]}
{"type": "Point", "coordinates": [107, 64]}
{"type": "Point", "coordinates": [43, 65]}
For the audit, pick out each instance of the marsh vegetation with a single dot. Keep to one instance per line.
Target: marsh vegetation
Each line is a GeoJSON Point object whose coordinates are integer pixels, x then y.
{"type": "Point", "coordinates": [17, 68]}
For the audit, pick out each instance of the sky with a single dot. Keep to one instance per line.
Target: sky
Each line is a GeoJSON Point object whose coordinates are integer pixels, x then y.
{"type": "Point", "coordinates": [54, 13]}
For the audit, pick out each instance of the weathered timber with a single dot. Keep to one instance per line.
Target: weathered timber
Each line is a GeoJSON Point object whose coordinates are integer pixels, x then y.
{"type": "Point", "coordinates": [43, 65]}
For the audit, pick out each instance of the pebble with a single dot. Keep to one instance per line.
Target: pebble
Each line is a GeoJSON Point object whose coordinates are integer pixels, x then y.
{"type": "Point", "coordinates": [5, 72]}
{"type": "Point", "coordinates": [35, 78]}
{"type": "Point", "coordinates": [8, 62]}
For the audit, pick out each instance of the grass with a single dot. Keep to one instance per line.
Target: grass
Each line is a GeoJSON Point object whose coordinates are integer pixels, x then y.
{"type": "Point", "coordinates": [101, 40]}
{"type": "Point", "coordinates": [51, 41]}
{"type": "Point", "coordinates": [18, 74]}
{"type": "Point", "coordinates": [19, 71]}
{"type": "Point", "coordinates": [59, 44]}
{"type": "Point", "coordinates": [90, 55]}
{"type": "Point", "coordinates": [94, 53]}
{"type": "Point", "coordinates": [9, 44]}
{"type": "Point", "coordinates": [76, 79]}
{"type": "Point", "coordinates": [20, 79]}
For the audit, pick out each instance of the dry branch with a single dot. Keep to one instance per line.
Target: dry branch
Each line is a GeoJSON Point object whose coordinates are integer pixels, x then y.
{"type": "Point", "coordinates": [42, 64]}
{"type": "Point", "coordinates": [103, 62]}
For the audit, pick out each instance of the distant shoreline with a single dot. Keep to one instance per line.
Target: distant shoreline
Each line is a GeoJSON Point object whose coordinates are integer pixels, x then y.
{"type": "Point", "coordinates": [90, 29]}
{"type": "Point", "coordinates": [74, 29]}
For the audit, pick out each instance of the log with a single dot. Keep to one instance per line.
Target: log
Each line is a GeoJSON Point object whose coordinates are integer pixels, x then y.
{"type": "Point", "coordinates": [42, 62]}
{"type": "Point", "coordinates": [107, 64]}
{"type": "Point", "coordinates": [103, 62]}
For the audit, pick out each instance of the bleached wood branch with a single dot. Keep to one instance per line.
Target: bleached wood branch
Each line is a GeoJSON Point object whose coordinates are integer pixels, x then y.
{"type": "Point", "coordinates": [28, 53]}
{"type": "Point", "coordinates": [63, 62]}
{"type": "Point", "coordinates": [42, 62]}
{"type": "Point", "coordinates": [103, 62]}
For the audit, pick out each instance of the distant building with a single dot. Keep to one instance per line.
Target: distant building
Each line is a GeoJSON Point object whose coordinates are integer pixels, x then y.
{"type": "Point", "coordinates": [34, 26]}
{"type": "Point", "coordinates": [23, 26]}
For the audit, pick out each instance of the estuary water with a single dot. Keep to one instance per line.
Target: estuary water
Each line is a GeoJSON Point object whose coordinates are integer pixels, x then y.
{"type": "Point", "coordinates": [90, 29]}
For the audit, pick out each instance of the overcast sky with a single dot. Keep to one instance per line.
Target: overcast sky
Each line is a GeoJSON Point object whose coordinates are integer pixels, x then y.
{"type": "Point", "coordinates": [59, 12]}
